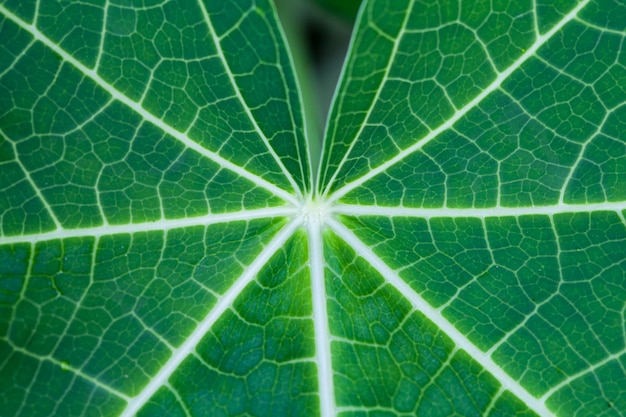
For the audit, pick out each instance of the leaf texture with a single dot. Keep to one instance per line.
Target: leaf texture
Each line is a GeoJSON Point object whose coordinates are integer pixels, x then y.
{"type": "Point", "coordinates": [166, 249]}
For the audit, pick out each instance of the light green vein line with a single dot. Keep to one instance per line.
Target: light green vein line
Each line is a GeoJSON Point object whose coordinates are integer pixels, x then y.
{"type": "Point", "coordinates": [231, 78]}
{"type": "Point", "coordinates": [620, 33]}
{"type": "Point", "coordinates": [614, 357]}
{"type": "Point", "coordinates": [105, 17]}
{"type": "Point", "coordinates": [181, 402]}
{"type": "Point", "coordinates": [493, 402]}
{"type": "Point", "coordinates": [136, 107]}
{"type": "Point", "coordinates": [158, 225]}
{"type": "Point", "coordinates": [29, 179]}
{"type": "Point", "coordinates": [22, 295]}
{"type": "Point", "coordinates": [17, 58]}
{"type": "Point", "coordinates": [541, 40]}
{"type": "Point", "coordinates": [437, 318]}
{"type": "Point", "coordinates": [205, 325]}
{"type": "Point", "coordinates": [72, 370]}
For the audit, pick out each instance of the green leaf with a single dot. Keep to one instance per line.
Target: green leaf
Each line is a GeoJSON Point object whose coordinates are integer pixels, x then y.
{"type": "Point", "coordinates": [166, 247]}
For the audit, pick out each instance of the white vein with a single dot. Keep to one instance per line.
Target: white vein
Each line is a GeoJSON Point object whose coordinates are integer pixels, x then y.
{"type": "Point", "coordinates": [357, 210]}
{"type": "Point", "coordinates": [136, 107]}
{"type": "Point", "coordinates": [320, 319]}
{"type": "Point", "coordinates": [495, 85]}
{"type": "Point", "coordinates": [580, 158]}
{"type": "Point", "coordinates": [224, 303]}
{"type": "Point", "coordinates": [159, 225]}
{"type": "Point", "coordinates": [437, 318]}
{"type": "Point", "coordinates": [231, 78]}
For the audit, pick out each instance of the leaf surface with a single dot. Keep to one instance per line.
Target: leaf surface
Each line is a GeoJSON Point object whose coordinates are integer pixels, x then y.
{"type": "Point", "coordinates": [166, 250]}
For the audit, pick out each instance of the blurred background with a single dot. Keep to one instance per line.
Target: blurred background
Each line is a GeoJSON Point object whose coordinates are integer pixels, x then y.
{"type": "Point", "coordinates": [319, 33]}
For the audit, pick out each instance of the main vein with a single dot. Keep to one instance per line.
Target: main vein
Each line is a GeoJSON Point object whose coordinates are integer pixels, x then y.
{"type": "Point", "coordinates": [162, 225]}
{"type": "Point", "coordinates": [551, 210]}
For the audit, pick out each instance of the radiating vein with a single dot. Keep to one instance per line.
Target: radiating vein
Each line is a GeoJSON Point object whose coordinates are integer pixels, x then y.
{"type": "Point", "coordinates": [231, 78]}
{"type": "Point", "coordinates": [358, 210]}
{"type": "Point", "coordinates": [437, 318]}
{"type": "Point", "coordinates": [159, 225]}
{"type": "Point", "coordinates": [205, 325]}
{"type": "Point", "coordinates": [495, 85]}
{"type": "Point", "coordinates": [320, 320]}
{"type": "Point", "coordinates": [136, 107]}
